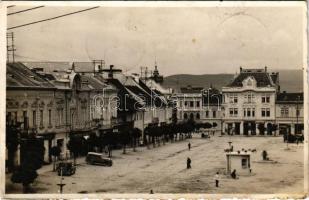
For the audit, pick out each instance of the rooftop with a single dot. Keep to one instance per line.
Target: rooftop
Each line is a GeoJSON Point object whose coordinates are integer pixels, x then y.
{"type": "Point", "coordinates": [18, 75]}
{"type": "Point", "coordinates": [290, 97]}
{"type": "Point", "coordinates": [261, 76]}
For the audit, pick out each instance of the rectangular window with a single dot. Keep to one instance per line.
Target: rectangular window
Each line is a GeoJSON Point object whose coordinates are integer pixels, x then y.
{"type": "Point", "coordinates": [41, 118]}
{"type": "Point", "coordinates": [207, 113]}
{"type": "Point", "coordinates": [24, 114]}
{"type": "Point", "coordinates": [267, 99]}
{"type": "Point", "coordinates": [233, 98]}
{"type": "Point", "coordinates": [284, 111]}
{"type": "Point", "coordinates": [244, 164]}
{"type": "Point", "coordinates": [233, 112]}
{"type": "Point", "coordinates": [253, 112]}
{"type": "Point", "coordinates": [214, 114]}
{"type": "Point", "coordinates": [248, 112]}
{"type": "Point", "coordinates": [49, 118]}
{"type": "Point", "coordinates": [267, 112]}
{"type": "Point", "coordinates": [34, 119]}
{"type": "Point", "coordinates": [191, 104]}
{"type": "Point", "coordinates": [249, 98]}
{"type": "Point", "coordinates": [198, 104]}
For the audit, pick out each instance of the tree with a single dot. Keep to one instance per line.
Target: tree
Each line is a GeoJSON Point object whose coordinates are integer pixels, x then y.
{"type": "Point", "coordinates": [32, 151]}
{"type": "Point", "coordinates": [55, 152]}
{"type": "Point", "coordinates": [74, 147]}
{"type": "Point", "coordinates": [136, 134]}
{"type": "Point", "coordinates": [124, 137]}
{"type": "Point", "coordinates": [12, 142]}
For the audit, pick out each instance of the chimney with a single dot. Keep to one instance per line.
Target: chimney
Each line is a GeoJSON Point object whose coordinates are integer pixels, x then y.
{"type": "Point", "coordinates": [265, 68]}
{"type": "Point", "coordinates": [240, 69]}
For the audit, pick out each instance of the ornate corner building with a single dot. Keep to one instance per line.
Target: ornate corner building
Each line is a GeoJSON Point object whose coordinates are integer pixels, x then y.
{"type": "Point", "coordinates": [254, 105]}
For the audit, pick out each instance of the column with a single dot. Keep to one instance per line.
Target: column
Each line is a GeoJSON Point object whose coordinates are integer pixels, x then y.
{"type": "Point", "coordinates": [293, 129]}
{"type": "Point", "coordinates": [257, 130]}
{"type": "Point", "coordinates": [277, 131]}
{"type": "Point", "coordinates": [223, 128]}
{"type": "Point", "coordinates": [233, 128]}
{"type": "Point", "coordinates": [241, 128]}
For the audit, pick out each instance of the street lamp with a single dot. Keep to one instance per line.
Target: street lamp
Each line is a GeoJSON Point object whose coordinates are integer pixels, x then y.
{"type": "Point", "coordinates": [61, 185]}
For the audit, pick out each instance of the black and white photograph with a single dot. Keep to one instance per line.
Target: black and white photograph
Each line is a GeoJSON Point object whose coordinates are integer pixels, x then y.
{"type": "Point", "coordinates": [159, 98]}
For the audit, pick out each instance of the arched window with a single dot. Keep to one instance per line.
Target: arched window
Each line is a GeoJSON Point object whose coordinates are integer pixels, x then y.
{"type": "Point", "coordinates": [185, 116]}
{"type": "Point", "coordinates": [191, 116]}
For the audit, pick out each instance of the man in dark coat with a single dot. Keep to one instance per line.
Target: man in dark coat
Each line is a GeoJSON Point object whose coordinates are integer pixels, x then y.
{"type": "Point", "coordinates": [188, 163]}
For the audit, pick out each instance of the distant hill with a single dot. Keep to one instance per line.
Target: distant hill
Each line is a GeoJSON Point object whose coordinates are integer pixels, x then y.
{"type": "Point", "coordinates": [290, 80]}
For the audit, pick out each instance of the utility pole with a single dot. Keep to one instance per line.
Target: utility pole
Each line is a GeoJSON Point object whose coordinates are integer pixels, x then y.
{"type": "Point", "coordinates": [297, 113]}
{"type": "Point", "coordinates": [10, 46]}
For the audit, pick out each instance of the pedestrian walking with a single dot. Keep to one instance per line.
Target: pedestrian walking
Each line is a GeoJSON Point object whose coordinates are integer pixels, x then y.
{"type": "Point", "coordinates": [189, 146]}
{"type": "Point", "coordinates": [217, 178]}
{"type": "Point", "coordinates": [188, 163]}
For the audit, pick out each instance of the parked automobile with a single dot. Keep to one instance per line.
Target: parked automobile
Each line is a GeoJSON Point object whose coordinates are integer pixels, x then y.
{"type": "Point", "coordinates": [98, 159]}
{"type": "Point", "coordinates": [66, 169]}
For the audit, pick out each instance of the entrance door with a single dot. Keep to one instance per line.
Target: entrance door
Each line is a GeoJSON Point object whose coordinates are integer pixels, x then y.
{"type": "Point", "coordinates": [269, 129]}
{"type": "Point", "coordinates": [237, 128]}
{"type": "Point", "coordinates": [246, 128]}
{"type": "Point", "coordinates": [253, 128]}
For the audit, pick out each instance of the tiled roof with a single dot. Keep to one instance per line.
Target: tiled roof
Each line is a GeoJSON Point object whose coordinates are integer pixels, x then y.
{"type": "Point", "coordinates": [18, 75]}
{"type": "Point", "coordinates": [156, 95]}
{"type": "Point", "coordinates": [191, 90]}
{"type": "Point", "coordinates": [290, 97]}
{"type": "Point", "coordinates": [90, 82]}
{"type": "Point", "coordinates": [127, 99]}
{"type": "Point", "coordinates": [60, 66]}
{"type": "Point", "coordinates": [262, 79]}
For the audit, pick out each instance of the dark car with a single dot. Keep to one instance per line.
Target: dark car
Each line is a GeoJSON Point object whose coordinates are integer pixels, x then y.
{"type": "Point", "coordinates": [98, 159]}
{"type": "Point", "coordinates": [66, 169]}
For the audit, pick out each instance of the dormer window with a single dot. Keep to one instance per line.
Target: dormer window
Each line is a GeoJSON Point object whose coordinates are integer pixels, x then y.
{"type": "Point", "coordinates": [249, 82]}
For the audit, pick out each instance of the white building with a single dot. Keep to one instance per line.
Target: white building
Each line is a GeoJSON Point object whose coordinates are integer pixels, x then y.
{"type": "Point", "coordinates": [290, 113]}
{"type": "Point", "coordinates": [249, 103]}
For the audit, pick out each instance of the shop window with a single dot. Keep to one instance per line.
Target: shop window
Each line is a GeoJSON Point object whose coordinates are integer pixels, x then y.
{"type": "Point", "coordinates": [244, 164]}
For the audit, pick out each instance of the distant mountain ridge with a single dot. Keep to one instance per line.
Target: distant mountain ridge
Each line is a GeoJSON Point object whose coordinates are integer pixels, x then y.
{"type": "Point", "coordinates": [290, 80]}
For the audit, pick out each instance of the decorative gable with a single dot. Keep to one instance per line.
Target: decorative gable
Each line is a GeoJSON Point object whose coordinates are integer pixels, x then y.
{"type": "Point", "coordinates": [249, 82]}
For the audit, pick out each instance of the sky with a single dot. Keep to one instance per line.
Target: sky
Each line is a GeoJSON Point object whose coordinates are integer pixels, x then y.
{"type": "Point", "coordinates": [182, 40]}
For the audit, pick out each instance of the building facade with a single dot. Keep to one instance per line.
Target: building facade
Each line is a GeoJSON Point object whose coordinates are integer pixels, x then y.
{"type": "Point", "coordinates": [253, 105]}
{"type": "Point", "coordinates": [290, 113]}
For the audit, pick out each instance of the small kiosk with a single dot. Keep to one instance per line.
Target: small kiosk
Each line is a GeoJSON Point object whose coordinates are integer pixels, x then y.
{"type": "Point", "coordinates": [240, 161]}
